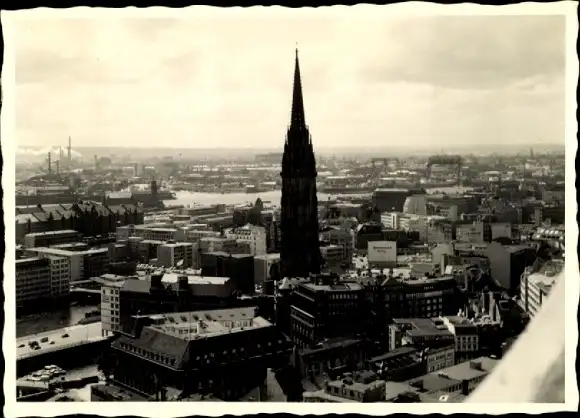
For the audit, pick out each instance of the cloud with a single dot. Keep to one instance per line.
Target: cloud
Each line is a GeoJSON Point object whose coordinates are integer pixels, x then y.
{"type": "Point", "coordinates": [471, 51]}
{"type": "Point", "coordinates": [225, 81]}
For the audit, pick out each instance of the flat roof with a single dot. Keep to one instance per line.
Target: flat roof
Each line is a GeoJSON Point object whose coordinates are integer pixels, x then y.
{"type": "Point", "coordinates": [435, 382]}
{"type": "Point", "coordinates": [174, 278]}
{"type": "Point", "coordinates": [207, 323]}
{"type": "Point", "coordinates": [27, 260]}
{"type": "Point", "coordinates": [338, 287]}
{"type": "Point", "coordinates": [273, 256]}
{"type": "Point", "coordinates": [177, 244]}
{"type": "Point", "coordinates": [422, 326]}
{"type": "Point", "coordinates": [48, 233]}
{"type": "Point", "coordinates": [465, 371]}
{"type": "Point", "coordinates": [59, 251]}
{"type": "Point", "coordinates": [77, 334]}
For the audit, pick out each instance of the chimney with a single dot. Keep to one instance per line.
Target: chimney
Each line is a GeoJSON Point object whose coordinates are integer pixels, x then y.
{"type": "Point", "coordinates": [475, 365]}
{"type": "Point", "coordinates": [154, 189]}
{"type": "Point", "coordinates": [156, 281]}
{"type": "Point", "coordinates": [465, 387]}
{"type": "Point", "coordinates": [69, 152]}
{"type": "Point", "coordinates": [183, 284]}
{"type": "Point", "coordinates": [49, 164]}
{"type": "Point", "coordinates": [57, 167]}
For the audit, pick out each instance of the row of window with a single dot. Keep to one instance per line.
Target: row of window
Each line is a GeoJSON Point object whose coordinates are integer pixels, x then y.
{"type": "Point", "coordinates": [161, 358]}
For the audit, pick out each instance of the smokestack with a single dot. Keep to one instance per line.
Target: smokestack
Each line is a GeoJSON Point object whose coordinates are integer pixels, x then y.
{"type": "Point", "coordinates": [96, 162]}
{"type": "Point", "coordinates": [69, 152]}
{"type": "Point", "coordinates": [58, 167]}
{"type": "Point", "coordinates": [49, 164]}
{"type": "Point", "coordinates": [154, 190]}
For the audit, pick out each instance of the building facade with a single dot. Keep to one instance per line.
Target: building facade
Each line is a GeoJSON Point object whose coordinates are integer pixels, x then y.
{"type": "Point", "coordinates": [300, 249]}
{"type": "Point", "coordinates": [32, 280]}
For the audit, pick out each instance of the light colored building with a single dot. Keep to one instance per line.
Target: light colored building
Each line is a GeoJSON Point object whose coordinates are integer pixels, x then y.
{"type": "Point", "coordinates": [470, 373]}
{"type": "Point", "coordinates": [194, 235]}
{"type": "Point", "coordinates": [219, 287]}
{"type": "Point", "coordinates": [215, 244]}
{"type": "Point", "coordinates": [332, 254]}
{"type": "Point", "coordinates": [466, 336]}
{"type": "Point", "coordinates": [82, 264]}
{"type": "Point", "coordinates": [390, 220]}
{"type": "Point", "coordinates": [110, 293]}
{"type": "Point", "coordinates": [123, 233]}
{"type": "Point", "coordinates": [536, 286]}
{"type": "Point", "coordinates": [254, 235]}
{"type": "Point", "coordinates": [471, 233]}
{"type": "Point", "coordinates": [172, 253]}
{"type": "Point", "coordinates": [501, 230]}
{"type": "Point", "coordinates": [152, 232]}
{"type": "Point", "coordinates": [59, 276]}
{"type": "Point", "coordinates": [32, 280]}
{"type": "Point", "coordinates": [415, 205]}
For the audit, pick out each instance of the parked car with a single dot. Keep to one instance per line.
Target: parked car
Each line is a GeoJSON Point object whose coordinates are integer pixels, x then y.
{"type": "Point", "coordinates": [44, 340]}
{"type": "Point", "coordinates": [65, 335]}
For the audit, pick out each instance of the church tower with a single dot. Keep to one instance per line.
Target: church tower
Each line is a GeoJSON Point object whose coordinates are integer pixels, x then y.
{"type": "Point", "coordinates": [300, 247]}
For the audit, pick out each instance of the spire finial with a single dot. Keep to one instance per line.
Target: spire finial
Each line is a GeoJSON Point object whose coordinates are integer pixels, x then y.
{"type": "Point", "coordinates": [297, 119]}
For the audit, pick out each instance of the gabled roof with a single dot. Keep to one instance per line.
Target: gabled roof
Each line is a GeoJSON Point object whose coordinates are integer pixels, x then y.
{"type": "Point", "coordinates": [152, 340]}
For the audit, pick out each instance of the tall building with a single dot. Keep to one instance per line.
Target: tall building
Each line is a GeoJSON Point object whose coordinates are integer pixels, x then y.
{"type": "Point", "coordinates": [300, 248]}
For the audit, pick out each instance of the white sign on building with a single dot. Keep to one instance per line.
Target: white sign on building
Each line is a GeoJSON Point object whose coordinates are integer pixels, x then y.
{"type": "Point", "coordinates": [499, 230]}
{"type": "Point", "coordinates": [382, 253]}
{"type": "Point", "coordinates": [470, 233]}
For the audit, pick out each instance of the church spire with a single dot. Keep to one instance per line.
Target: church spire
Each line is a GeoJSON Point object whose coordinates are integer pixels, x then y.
{"type": "Point", "coordinates": [298, 119]}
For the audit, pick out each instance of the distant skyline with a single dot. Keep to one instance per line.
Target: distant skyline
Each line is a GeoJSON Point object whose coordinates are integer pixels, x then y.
{"type": "Point", "coordinates": [225, 81]}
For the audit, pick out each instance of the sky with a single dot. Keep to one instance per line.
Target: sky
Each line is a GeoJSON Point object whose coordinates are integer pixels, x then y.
{"type": "Point", "coordinates": [225, 80]}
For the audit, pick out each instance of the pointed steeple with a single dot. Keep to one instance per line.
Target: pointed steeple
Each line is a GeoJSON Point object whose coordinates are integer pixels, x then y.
{"type": "Point", "coordinates": [298, 119]}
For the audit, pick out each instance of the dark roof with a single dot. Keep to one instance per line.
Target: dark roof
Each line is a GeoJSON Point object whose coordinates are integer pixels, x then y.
{"type": "Point", "coordinates": [400, 351]}
{"type": "Point", "coordinates": [159, 343]}
{"type": "Point", "coordinates": [432, 382]}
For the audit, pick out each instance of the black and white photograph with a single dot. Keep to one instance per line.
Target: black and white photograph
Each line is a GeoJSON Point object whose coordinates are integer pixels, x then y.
{"type": "Point", "coordinates": [340, 205]}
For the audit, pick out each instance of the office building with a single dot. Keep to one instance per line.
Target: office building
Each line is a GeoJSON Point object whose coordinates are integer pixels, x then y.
{"type": "Point", "coordinates": [82, 264]}
{"type": "Point", "coordinates": [325, 308]}
{"type": "Point", "coordinates": [110, 286]}
{"type": "Point", "coordinates": [225, 353]}
{"type": "Point", "coordinates": [51, 238]}
{"type": "Point", "coordinates": [466, 336]}
{"type": "Point", "coordinates": [32, 280]}
{"type": "Point", "coordinates": [238, 267]}
{"type": "Point", "coordinates": [253, 235]}
{"type": "Point", "coordinates": [172, 254]}
{"type": "Point", "coordinates": [536, 284]}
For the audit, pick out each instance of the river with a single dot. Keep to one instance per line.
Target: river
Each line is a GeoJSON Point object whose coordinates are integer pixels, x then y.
{"type": "Point", "coordinates": [189, 198]}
